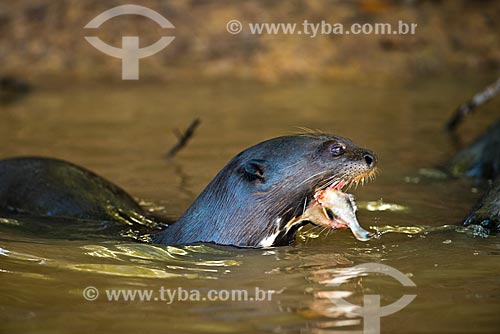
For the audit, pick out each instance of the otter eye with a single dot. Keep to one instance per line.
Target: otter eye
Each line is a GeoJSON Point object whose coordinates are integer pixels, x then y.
{"type": "Point", "coordinates": [337, 149]}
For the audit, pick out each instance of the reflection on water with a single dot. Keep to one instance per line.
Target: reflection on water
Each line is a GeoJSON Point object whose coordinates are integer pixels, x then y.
{"type": "Point", "coordinates": [381, 206]}
{"type": "Point", "coordinates": [45, 264]}
{"type": "Point", "coordinates": [136, 260]}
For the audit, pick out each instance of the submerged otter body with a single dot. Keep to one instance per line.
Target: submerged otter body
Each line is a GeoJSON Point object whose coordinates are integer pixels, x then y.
{"type": "Point", "coordinates": [256, 200]}
{"type": "Point", "coordinates": [481, 160]}
{"type": "Point", "coordinates": [46, 187]}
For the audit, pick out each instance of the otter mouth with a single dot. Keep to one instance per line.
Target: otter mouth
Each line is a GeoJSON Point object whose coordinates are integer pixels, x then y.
{"type": "Point", "coordinates": [333, 208]}
{"type": "Point", "coordinates": [336, 209]}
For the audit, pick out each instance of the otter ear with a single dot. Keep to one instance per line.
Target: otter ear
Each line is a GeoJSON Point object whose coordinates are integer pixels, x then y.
{"type": "Point", "coordinates": [254, 169]}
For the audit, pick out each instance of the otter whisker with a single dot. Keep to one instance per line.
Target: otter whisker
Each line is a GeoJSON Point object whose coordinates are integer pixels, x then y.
{"type": "Point", "coordinates": [312, 177]}
{"type": "Point", "coordinates": [293, 165]}
{"type": "Point", "coordinates": [306, 130]}
{"type": "Point", "coordinates": [332, 180]}
{"type": "Point", "coordinates": [305, 206]}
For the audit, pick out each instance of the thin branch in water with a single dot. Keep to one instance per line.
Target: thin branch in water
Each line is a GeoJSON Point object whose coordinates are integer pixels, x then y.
{"type": "Point", "coordinates": [468, 107]}
{"type": "Point", "coordinates": [183, 138]}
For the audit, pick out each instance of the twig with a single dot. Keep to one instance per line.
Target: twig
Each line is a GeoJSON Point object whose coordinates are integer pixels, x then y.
{"type": "Point", "coordinates": [468, 107]}
{"type": "Point", "coordinates": [183, 138]}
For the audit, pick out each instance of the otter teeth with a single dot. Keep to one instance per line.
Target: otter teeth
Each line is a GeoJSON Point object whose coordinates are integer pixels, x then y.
{"type": "Point", "coordinates": [338, 185]}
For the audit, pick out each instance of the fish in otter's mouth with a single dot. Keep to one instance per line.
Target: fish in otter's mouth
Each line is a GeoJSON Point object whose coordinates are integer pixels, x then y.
{"type": "Point", "coordinates": [333, 208]}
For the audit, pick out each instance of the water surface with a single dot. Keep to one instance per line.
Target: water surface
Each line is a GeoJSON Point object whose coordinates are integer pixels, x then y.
{"type": "Point", "coordinates": [122, 131]}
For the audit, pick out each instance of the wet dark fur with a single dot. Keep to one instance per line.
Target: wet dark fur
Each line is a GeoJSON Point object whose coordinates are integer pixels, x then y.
{"type": "Point", "coordinates": [482, 160]}
{"type": "Point", "coordinates": [50, 187]}
{"type": "Point", "coordinates": [251, 198]}
{"type": "Point", "coordinates": [269, 181]}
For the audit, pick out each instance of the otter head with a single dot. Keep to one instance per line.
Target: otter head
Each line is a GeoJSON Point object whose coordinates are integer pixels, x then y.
{"type": "Point", "coordinates": [265, 193]}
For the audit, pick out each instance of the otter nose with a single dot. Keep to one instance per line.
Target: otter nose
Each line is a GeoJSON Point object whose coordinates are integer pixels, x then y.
{"type": "Point", "coordinates": [370, 158]}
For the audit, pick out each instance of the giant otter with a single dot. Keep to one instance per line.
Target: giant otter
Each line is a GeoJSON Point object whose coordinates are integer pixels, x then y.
{"type": "Point", "coordinates": [259, 199]}
{"type": "Point", "coordinates": [481, 160]}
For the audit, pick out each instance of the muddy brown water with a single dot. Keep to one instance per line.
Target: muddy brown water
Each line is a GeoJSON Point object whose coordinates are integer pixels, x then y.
{"type": "Point", "coordinates": [122, 131]}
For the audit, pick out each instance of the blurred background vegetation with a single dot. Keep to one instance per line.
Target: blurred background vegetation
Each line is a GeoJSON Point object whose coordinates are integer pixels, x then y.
{"type": "Point", "coordinates": [42, 40]}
